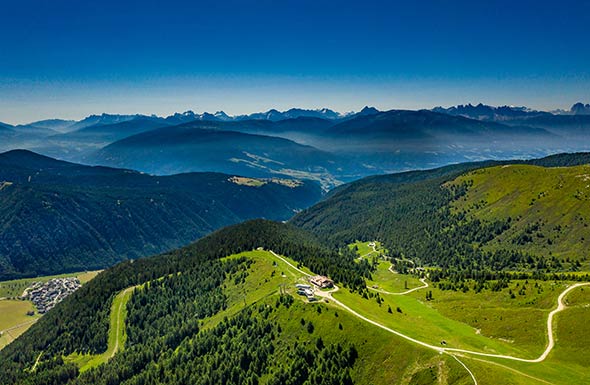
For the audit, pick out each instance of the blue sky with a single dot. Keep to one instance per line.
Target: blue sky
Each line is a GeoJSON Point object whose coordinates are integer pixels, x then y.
{"type": "Point", "coordinates": [72, 58]}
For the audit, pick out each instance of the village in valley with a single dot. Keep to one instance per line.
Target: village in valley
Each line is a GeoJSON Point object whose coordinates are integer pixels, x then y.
{"type": "Point", "coordinates": [45, 295]}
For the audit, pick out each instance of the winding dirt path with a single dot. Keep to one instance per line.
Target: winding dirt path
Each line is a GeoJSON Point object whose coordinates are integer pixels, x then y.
{"type": "Point", "coordinates": [466, 368]}
{"type": "Point", "coordinates": [445, 350]}
{"type": "Point", "coordinates": [424, 286]}
{"type": "Point", "coordinates": [551, 340]}
{"type": "Point", "coordinates": [373, 246]}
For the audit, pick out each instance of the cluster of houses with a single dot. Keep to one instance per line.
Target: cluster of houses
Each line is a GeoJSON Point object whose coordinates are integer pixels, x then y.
{"type": "Point", "coordinates": [308, 290]}
{"type": "Point", "coordinates": [45, 295]}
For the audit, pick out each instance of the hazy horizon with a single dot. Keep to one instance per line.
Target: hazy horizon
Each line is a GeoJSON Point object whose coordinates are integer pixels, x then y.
{"type": "Point", "coordinates": [286, 107]}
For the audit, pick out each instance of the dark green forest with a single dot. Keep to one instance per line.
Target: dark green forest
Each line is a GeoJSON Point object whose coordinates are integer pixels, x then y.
{"type": "Point", "coordinates": [58, 217]}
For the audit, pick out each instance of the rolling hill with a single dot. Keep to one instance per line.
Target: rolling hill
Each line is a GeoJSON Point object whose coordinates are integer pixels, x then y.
{"type": "Point", "coordinates": [59, 217]}
{"type": "Point", "coordinates": [205, 146]}
{"type": "Point", "coordinates": [226, 310]}
{"type": "Point", "coordinates": [518, 217]}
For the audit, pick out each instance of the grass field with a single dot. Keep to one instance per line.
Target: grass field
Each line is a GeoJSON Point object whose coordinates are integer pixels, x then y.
{"type": "Point", "coordinates": [511, 321]}
{"type": "Point", "coordinates": [14, 320]}
{"type": "Point", "coordinates": [384, 359]}
{"type": "Point", "coordinates": [528, 195]}
{"type": "Point", "coordinates": [364, 250]}
{"type": "Point", "coordinates": [518, 321]}
{"type": "Point", "coordinates": [383, 278]}
{"type": "Point", "coordinates": [267, 276]}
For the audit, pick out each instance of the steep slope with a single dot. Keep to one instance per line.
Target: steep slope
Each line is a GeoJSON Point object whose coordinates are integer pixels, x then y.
{"type": "Point", "coordinates": [548, 207]}
{"type": "Point", "coordinates": [415, 215]}
{"type": "Point", "coordinates": [58, 216]}
{"type": "Point", "coordinates": [205, 146]}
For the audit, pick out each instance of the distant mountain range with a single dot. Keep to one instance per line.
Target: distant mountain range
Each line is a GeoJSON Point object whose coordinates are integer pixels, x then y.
{"type": "Point", "coordinates": [508, 113]}
{"type": "Point", "coordinates": [479, 111]}
{"type": "Point", "coordinates": [60, 125]}
{"type": "Point", "coordinates": [321, 144]}
{"type": "Point", "coordinates": [580, 109]}
{"type": "Point", "coordinates": [57, 216]}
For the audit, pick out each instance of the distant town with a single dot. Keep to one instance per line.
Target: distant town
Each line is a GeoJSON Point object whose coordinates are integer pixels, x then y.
{"type": "Point", "coordinates": [45, 295]}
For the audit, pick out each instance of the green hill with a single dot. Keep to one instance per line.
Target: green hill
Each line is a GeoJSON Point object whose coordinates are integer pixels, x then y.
{"type": "Point", "coordinates": [423, 215]}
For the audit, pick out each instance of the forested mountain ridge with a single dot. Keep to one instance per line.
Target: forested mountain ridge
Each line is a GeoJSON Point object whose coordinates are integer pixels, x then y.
{"type": "Point", "coordinates": [413, 214]}
{"type": "Point", "coordinates": [80, 323]}
{"type": "Point", "coordinates": [58, 216]}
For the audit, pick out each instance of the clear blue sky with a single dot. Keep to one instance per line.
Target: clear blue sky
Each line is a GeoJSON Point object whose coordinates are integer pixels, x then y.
{"type": "Point", "coordinates": [71, 58]}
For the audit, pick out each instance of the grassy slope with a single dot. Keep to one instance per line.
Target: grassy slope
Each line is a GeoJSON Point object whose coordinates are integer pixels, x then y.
{"type": "Point", "coordinates": [552, 197]}
{"type": "Point", "coordinates": [496, 319]}
{"type": "Point", "coordinates": [117, 335]}
{"type": "Point", "coordinates": [518, 322]}
{"type": "Point", "coordinates": [393, 283]}
{"type": "Point", "coordinates": [387, 359]}
{"type": "Point", "coordinates": [364, 250]}
{"type": "Point", "coordinates": [426, 324]}
{"type": "Point", "coordinates": [383, 358]}
{"type": "Point", "coordinates": [266, 277]}
{"type": "Point", "coordinates": [12, 314]}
